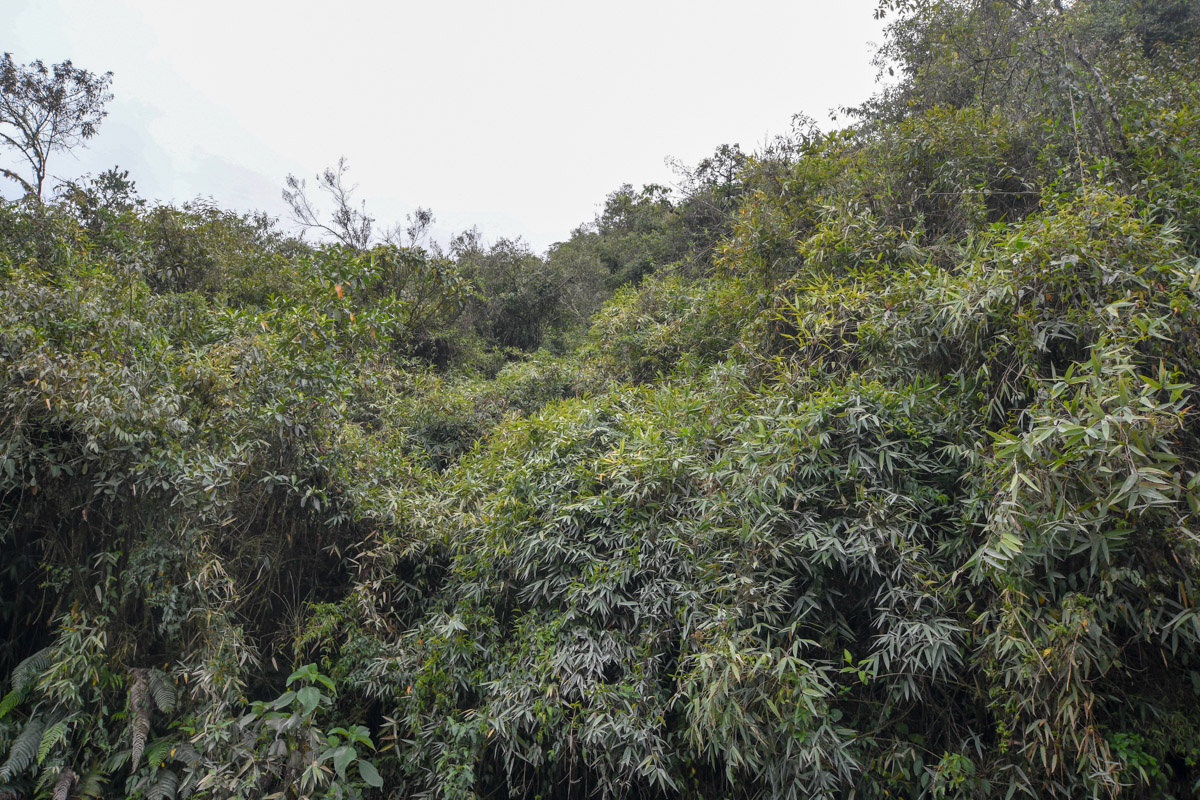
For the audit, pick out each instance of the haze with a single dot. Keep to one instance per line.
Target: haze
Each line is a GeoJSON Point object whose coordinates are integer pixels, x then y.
{"type": "Point", "coordinates": [518, 118]}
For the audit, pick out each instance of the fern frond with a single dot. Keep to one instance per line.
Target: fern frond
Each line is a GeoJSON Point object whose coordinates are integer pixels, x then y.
{"type": "Point", "coordinates": [66, 779]}
{"type": "Point", "coordinates": [24, 676]}
{"type": "Point", "coordinates": [139, 743]}
{"type": "Point", "coordinates": [24, 748]}
{"type": "Point", "coordinates": [139, 709]}
{"type": "Point", "coordinates": [164, 788]}
{"type": "Point", "coordinates": [10, 702]}
{"type": "Point", "coordinates": [162, 691]}
{"type": "Point", "coordinates": [52, 736]}
{"type": "Point", "coordinates": [92, 784]}
{"type": "Point", "coordinates": [115, 760]}
{"type": "Point", "coordinates": [156, 752]}
{"type": "Point", "coordinates": [185, 753]}
{"type": "Point", "coordinates": [28, 671]}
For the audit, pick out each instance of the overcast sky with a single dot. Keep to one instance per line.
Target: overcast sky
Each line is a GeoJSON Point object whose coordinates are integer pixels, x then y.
{"type": "Point", "coordinates": [517, 117]}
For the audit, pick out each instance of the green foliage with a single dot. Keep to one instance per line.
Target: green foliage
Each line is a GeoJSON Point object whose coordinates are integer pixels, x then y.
{"type": "Point", "coordinates": [519, 296]}
{"type": "Point", "coordinates": [645, 332]}
{"type": "Point", "coordinates": [876, 477]}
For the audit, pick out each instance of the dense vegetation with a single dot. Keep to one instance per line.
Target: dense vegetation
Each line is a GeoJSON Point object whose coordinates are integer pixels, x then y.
{"type": "Point", "coordinates": [866, 466]}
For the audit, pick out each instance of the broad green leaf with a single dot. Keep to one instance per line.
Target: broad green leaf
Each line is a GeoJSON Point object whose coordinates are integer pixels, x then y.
{"type": "Point", "coordinates": [369, 774]}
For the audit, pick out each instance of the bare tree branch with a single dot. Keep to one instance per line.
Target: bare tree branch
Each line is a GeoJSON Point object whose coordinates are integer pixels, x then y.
{"type": "Point", "coordinates": [349, 225]}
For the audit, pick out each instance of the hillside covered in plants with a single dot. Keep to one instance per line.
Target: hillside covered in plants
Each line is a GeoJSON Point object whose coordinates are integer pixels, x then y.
{"type": "Point", "coordinates": [863, 466]}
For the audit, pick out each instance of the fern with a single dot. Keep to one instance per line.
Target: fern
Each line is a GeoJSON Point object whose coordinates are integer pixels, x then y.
{"type": "Point", "coordinates": [161, 690]}
{"type": "Point", "coordinates": [10, 702]}
{"type": "Point", "coordinates": [23, 677]}
{"type": "Point", "coordinates": [24, 748]}
{"type": "Point", "coordinates": [91, 784]}
{"type": "Point", "coordinates": [66, 779]}
{"type": "Point", "coordinates": [139, 708]}
{"type": "Point", "coordinates": [115, 760]}
{"type": "Point", "coordinates": [52, 736]}
{"type": "Point", "coordinates": [164, 788]}
{"type": "Point", "coordinates": [156, 752]}
{"type": "Point", "coordinates": [25, 673]}
{"type": "Point", "coordinates": [186, 754]}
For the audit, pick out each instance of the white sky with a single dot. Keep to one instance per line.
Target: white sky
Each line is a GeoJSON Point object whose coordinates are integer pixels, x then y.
{"type": "Point", "coordinates": [516, 117]}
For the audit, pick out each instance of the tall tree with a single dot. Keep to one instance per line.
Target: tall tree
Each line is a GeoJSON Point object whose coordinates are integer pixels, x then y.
{"type": "Point", "coordinates": [47, 109]}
